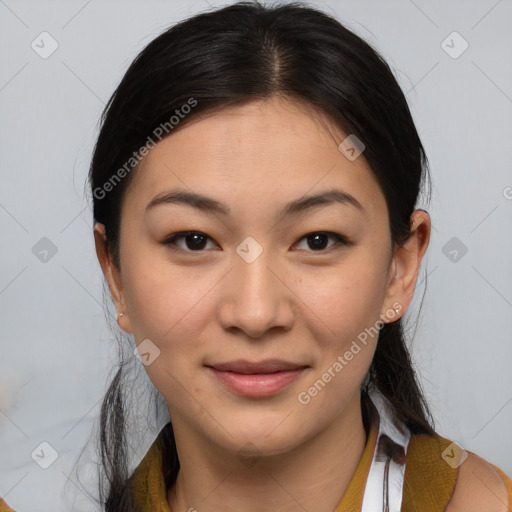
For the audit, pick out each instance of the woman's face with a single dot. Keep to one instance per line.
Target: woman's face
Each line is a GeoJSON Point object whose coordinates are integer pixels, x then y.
{"type": "Point", "coordinates": [250, 285]}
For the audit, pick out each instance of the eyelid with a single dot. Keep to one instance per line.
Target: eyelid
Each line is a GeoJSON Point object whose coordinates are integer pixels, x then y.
{"type": "Point", "coordinates": [169, 241]}
{"type": "Point", "coordinates": [340, 240]}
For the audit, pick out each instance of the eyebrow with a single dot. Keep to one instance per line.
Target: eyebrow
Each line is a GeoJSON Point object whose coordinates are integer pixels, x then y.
{"type": "Point", "coordinates": [300, 205]}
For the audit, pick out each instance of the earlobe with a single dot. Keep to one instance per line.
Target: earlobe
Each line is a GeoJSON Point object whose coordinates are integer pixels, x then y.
{"type": "Point", "coordinates": [124, 322]}
{"type": "Point", "coordinates": [112, 275]}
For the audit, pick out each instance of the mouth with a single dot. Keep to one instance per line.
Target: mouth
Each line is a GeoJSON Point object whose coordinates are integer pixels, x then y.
{"type": "Point", "coordinates": [256, 379]}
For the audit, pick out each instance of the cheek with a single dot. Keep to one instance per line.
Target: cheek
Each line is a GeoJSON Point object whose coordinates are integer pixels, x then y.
{"type": "Point", "coordinates": [167, 307]}
{"type": "Point", "coordinates": [161, 296]}
{"type": "Point", "coordinates": [346, 299]}
{"type": "Point", "coordinates": [347, 303]}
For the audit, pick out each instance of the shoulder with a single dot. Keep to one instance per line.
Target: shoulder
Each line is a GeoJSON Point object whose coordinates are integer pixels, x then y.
{"type": "Point", "coordinates": [439, 473]}
{"type": "Point", "coordinates": [4, 507]}
{"type": "Point", "coordinates": [480, 487]}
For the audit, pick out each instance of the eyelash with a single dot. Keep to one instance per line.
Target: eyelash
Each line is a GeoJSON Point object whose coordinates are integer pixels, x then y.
{"type": "Point", "coordinates": [340, 240]}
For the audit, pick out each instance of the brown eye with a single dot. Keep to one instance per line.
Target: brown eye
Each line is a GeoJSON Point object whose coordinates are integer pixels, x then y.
{"type": "Point", "coordinates": [318, 241]}
{"type": "Point", "coordinates": [195, 241]}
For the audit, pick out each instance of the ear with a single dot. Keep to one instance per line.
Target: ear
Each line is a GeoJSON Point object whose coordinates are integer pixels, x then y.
{"type": "Point", "coordinates": [112, 275]}
{"type": "Point", "coordinates": [404, 268]}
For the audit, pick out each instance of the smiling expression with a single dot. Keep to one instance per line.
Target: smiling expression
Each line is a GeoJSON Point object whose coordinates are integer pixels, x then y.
{"type": "Point", "coordinates": [288, 259]}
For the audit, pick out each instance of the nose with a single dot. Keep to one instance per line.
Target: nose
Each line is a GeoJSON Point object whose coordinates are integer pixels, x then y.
{"type": "Point", "coordinates": [256, 297]}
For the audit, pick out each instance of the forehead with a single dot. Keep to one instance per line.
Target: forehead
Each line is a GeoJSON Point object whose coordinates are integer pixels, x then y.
{"type": "Point", "coordinates": [262, 150]}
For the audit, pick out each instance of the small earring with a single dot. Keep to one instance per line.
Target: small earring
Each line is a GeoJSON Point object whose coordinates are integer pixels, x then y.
{"type": "Point", "coordinates": [120, 315]}
{"type": "Point", "coordinates": [397, 310]}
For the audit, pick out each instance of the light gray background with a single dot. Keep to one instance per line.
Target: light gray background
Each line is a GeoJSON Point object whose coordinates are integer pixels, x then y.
{"type": "Point", "coordinates": [56, 350]}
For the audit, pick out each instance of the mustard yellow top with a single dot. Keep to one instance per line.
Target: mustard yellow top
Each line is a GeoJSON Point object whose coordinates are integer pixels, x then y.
{"type": "Point", "coordinates": [428, 481]}
{"type": "Point", "coordinates": [4, 507]}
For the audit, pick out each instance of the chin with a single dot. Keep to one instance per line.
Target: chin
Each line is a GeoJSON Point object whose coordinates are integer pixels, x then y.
{"type": "Point", "coordinates": [266, 437]}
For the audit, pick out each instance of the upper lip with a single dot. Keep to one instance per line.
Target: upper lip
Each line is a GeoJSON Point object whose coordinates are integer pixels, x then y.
{"type": "Point", "coordinates": [248, 367]}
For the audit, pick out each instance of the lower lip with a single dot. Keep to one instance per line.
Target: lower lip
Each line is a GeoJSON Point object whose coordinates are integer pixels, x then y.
{"type": "Point", "coordinates": [258, 384]}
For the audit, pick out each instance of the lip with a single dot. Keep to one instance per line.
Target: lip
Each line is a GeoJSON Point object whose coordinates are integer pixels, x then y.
{"type": "Point", "coordinates": [247, 367]}
{"type": "Point", "coordinates": [258, 379]}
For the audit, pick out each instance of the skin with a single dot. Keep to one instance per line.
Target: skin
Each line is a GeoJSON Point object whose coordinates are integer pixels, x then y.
{"type": "Point", "coordinates": [479, 488]}
{"type": "Point", "coordinates": [294, 302]}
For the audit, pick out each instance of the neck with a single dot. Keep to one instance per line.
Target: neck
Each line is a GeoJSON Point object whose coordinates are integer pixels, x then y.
{"type": "Point", "coordinates": [312, 476]}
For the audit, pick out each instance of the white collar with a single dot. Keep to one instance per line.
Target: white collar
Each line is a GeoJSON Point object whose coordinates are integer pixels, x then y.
{"type": "Point", "coordinates": [385, 483]}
